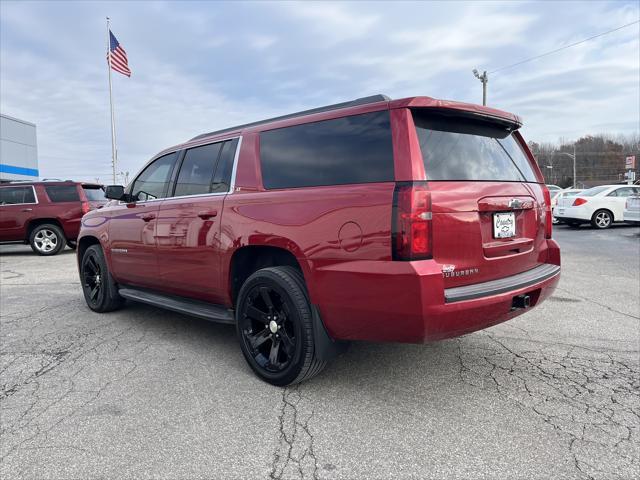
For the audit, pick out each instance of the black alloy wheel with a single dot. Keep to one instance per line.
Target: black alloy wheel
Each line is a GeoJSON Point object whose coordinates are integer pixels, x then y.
{"type": "Point", "coordinates": [100, 291]}
{"type": "Point", "coordinates": [92, 278]}
{"type": "Point", "coordinates": [275, 326]}
{"type": "Point", "coordinates": [268, 329]}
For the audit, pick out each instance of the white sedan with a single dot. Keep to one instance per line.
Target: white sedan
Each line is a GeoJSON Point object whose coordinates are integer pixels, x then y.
{"type": "Point", "coordinates": [601, 206]}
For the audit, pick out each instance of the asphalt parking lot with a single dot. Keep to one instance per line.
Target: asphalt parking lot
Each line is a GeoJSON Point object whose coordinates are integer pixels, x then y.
{"type": "Point", "coordinates": [145, 393]}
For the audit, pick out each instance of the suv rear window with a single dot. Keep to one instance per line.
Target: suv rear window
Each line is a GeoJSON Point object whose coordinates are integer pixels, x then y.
{"type": "Point", "coordinates": [455, 148]}
{"type": "Point", "coordinates": [93, 194]}
{"type": "Point", "coordinates": [62, 193]}
{"type": "Point", "coordinates": [355, 149]}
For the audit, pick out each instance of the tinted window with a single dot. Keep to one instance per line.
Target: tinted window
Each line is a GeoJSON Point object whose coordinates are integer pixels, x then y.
{"type": "Point", "coordinates": [354, 149]}
{"type": "Point", "coordinates": [196, 172]}
{"type": "Point", "coordinates": [222, 178]}
{"type": "Point", "coordinates": [62, 193]}
{"type": "Point", "coordinates": [462, 149]}
{"type": "Point", "coordinates": [93, 193]}
{"type": "Point", "coordinates": [15, 195]}
{"type": "Point", "coordinates": [152, 183]}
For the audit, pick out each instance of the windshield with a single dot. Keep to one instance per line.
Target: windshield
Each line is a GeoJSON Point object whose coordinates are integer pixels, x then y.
{"type": "Point", "coordinates": [94, 193]}
{"type": "Point", "coordinates": [455, 148]}
{"type": "Point", "coordinates": [572, 194]}
{"type": "Point", "coordinates": [592, 192]}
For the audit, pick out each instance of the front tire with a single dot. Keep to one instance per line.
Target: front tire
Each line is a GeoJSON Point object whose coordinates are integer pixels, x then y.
{"type": "Point", "coordinates": [47, 239]}
{"type": "Point", "coordinates": [274, 324]}
{"type": "Point", "coordinates": [602, 219]}
{"type": "Point", "coordinates": [100, 291]}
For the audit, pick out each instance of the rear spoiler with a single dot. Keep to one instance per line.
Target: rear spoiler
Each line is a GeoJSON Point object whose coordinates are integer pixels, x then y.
{"type": "Point", "coordinates": [469, 110]}
{"type": "Point", "coordinates": [509, 124]}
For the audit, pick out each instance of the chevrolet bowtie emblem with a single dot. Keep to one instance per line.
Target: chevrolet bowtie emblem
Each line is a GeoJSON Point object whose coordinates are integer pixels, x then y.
{"type": "Point", "coordinates": [515, 203]}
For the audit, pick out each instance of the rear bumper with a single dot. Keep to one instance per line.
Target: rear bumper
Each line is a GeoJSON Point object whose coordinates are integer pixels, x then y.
{"type": "Point", "coordinates": [632, 217]}
{"type": "Point", "coordinates": [407, 301]}
{"type": "Point", "coordinates": [572, 213]}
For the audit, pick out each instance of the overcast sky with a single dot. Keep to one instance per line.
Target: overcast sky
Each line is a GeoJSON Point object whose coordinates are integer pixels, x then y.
{"type": "Point", "coordinates": [206, 65]}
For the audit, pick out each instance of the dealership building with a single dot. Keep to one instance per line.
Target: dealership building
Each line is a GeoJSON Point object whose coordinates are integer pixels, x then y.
{"type": "Point", "coordinates": [18, 150]}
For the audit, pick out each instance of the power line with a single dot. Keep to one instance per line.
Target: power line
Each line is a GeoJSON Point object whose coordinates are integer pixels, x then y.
{"type": "Point", "coordinates": [565, 47]}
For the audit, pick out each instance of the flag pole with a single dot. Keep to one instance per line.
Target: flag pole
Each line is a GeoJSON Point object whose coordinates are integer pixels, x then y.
{"type": "Point", "coordinates": [114, 151]}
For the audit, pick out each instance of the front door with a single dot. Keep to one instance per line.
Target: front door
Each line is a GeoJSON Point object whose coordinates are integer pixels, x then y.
{"type": "Point", "coordinates": [132, 226]}
{"type": "Point", "coordinates": [188, 230]}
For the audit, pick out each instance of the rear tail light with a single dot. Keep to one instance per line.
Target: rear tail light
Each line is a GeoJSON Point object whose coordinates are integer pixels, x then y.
{"type": "Point", "coordinates": [579, 201]}
{"type": "Point", "coordinates": [548, 220]}
{"type": "Point", "coordinates": [85, 207]}
{"type": "Point", "coordinates": [412, 228]}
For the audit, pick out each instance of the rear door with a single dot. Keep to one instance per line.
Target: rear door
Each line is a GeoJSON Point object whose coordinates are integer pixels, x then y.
{"type": "Point", "coordinates": [17, 204]}
{"type": "Point", "coordinates": [188, 230]}
{"type": "Point", "coordinates": [488, 205]}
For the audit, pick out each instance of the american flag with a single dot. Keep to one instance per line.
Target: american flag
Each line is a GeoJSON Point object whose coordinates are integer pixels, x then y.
{"type": "Point", "coordinates": [118, 57]}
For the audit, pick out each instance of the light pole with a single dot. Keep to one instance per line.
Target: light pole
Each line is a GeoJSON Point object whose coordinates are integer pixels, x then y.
{"type": "Point", "coordinates": [484, 79]}
{"type": "Point", "coordinates": [572, 157]}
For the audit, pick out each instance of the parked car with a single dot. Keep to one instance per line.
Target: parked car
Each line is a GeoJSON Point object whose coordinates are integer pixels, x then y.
{"type": "Point", "coordinates": [46, 215]}
{"type": "Point", "coordinates": [559, 194]}
{"type": "Point", "coordinates": [382, 220]}
{"type": "Point", "coordinates": [601, 206]}
{"type": "Point", "coordinates": [631, 214]}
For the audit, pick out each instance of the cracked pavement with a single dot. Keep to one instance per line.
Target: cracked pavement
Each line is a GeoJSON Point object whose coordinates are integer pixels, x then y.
{"type": "Point", "coordinates": [145, 393]}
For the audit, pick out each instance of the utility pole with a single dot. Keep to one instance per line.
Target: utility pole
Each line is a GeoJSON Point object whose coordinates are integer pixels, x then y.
{"type": "Point", "coordinates": [575, 180]}
{"type": "Point", "coordinates": [484, 78]}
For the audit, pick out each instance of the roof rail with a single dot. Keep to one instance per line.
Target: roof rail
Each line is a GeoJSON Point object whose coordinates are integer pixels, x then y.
{"type": "Point", "coordinates": [335, 106]}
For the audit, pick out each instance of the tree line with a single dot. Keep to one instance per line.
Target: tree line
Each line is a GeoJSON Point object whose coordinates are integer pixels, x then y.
{"type": "Point", "coordinates": [600, 159]}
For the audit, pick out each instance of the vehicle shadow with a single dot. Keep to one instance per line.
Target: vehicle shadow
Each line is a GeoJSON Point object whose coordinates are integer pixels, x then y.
{"type": "Point", "coordinates": [25, 250]}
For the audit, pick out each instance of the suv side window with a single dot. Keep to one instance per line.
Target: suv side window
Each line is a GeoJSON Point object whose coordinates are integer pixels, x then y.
{"type": "Point", "coordinates": [152, 183]}
{"type": "Point", "coordinates": [354, 149]}
{"type": "Point", "coordinates": [222, 178]}
{"type": "Point", "coordinates": [196, 172]}
{"type": "Point", "coordinates": [62, 193]}
{"type": "Point", "coordinates": [16, 195]}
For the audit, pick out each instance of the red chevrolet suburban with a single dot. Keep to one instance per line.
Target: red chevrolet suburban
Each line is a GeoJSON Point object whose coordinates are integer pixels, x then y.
{"type": "Point", "coordinates": [384, 220]}
{"type": "Point", "coordinates": [46, 214]}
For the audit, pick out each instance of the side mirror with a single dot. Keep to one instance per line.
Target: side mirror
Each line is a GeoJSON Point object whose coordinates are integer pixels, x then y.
{"type": "Point", "coordinates": [115, 192]}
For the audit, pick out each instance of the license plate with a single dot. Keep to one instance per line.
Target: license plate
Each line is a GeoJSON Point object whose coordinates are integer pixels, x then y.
{"type": "Point", "coordinates": [504, 225]}
{"type": "Point", "coordinates": [561, 210]}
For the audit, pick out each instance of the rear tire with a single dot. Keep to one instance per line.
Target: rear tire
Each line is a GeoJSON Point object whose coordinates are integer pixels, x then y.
{"type": "Point", "coordinates": [99, 288]}
{"type": "Point", "coordinates": [274, 324]}
{"type": "Point", "coordinates": [47, 239]}
{"type": "Point", "coordinates": [602, 219]}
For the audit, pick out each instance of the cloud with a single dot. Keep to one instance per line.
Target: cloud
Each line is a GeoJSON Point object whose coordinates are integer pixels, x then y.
{"type": "Point", "coordinates": [262, 42]}
{"type": "Point", "coordinates": [335, 22]}
{"type": "Point", "coordinates": [199, 66]}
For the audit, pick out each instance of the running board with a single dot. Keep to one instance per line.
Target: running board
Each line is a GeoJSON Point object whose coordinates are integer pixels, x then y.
{"type": "Point", "coordinates": [196, 308]}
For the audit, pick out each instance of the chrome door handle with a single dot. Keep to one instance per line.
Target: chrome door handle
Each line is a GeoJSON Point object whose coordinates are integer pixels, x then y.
{"type": "Point", "coordinates": [207, 214]}
{"type": "Point", "coordinates": [148, 217]}
{"type": "Point", "coordinates": [27, 209]}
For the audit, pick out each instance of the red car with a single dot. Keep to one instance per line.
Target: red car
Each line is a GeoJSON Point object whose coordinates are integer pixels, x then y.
{"type": "Point", "coordinates": [47, 214]}
{"type": "Point", "coordinates": [384, 220]}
